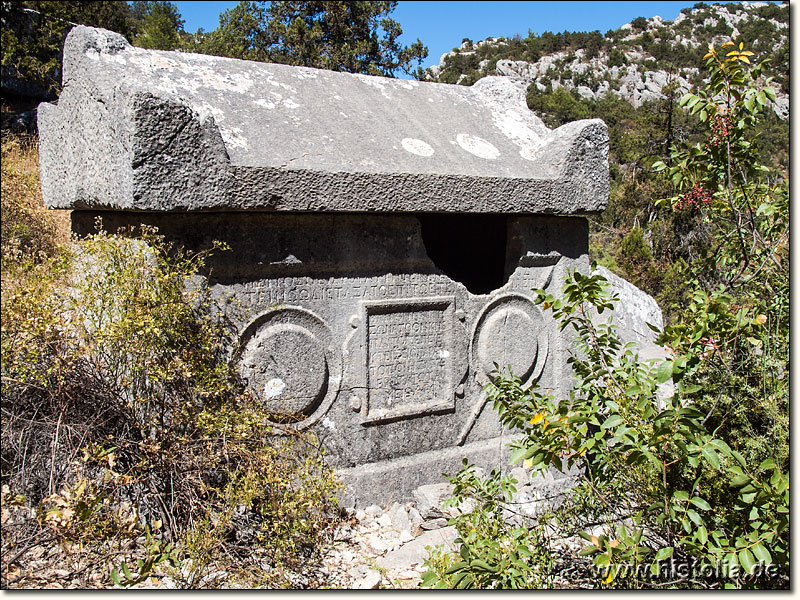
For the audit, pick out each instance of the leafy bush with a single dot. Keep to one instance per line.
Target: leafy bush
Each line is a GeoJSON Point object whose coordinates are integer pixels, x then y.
{"type": "Point", "coordinates": [124, 419]}
{"type": "Point", "coordinates": [650, 468]}
{"type": "Point", "coordinates": [493, 553]}
{"type": "Point", "coordinates": [696, 474]}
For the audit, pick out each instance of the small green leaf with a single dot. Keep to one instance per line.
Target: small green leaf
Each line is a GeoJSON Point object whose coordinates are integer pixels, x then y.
{"type": "Point", "coordinates": [762, 554]}
{"type": "Point", "coordinates": [767, 464]}
{"type": "Point", "coordinates": [694, 516]}
{"type": "Point", "coordinates": [702, 534]}
{"type": "Point", "coordinates": [747, 560]}
{"type": "Point", "coordinates": [739, 458]}
{"type": "Point", "coordinates": [481, 565]}
{"type": "Point", "coordinates": [664, 553]}
{"type": "Point", "coordinates": [700, 503]}
{"type": "Point", "coordinates": [455, 568]}
{"type": "Point", "coordinates": [664, 371]}
{"type": "Point", "coordinates": [710, 456]}
{"type": "Point", "coordinates": [114, 575]}
{"type": "Point", "coordinates": [602, 560]}
{"type": "Point", "coordinates": [612, 421]}
{"type": "Point", "coordinates": [518, 455]}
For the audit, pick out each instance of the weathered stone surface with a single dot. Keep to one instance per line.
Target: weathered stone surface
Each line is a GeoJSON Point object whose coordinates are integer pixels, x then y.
{"type": "Point", "coordinates": [138, 129]}
{"type": "Point", "coordinates": [399, 518]}
{"type": "Point", "coordinates": [365, 578]}
{"type": "Point", "coordinates": [377, 332]}
{"type": "Point", "coordinates": [634, 310]}
{"type": "Point", "coordinates": [431, 495]}
{"type": "Point", "coordinates": [399, 351]}
{"type": "Point", "coordinates": [436, 523]}
{"type": "Point", "coordinates": [415, 552]}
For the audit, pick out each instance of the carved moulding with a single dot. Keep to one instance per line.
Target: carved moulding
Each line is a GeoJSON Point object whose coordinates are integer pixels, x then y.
{"type": "Point", "coordinates": [407, 358]}
{"type": "Point", "coordinates": [510, 333]}
{"type": "Point", "coordinates": [290, 360]}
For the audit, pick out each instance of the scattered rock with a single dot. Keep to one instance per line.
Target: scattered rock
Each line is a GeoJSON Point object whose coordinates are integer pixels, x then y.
{"type": "Point", "coordinates": [364, 578]}
{"type": "Point", "coordinates": [384, 520]}
{"type": "Point", "coordinates": [432, 496]}
{"type": "Point", "coordinates": [399, 518]}
{"type": "Point", "coordinates": [415, 552]}
{"type": "Point", "coordinates": [434, 524]}
{"type": "Point", "coordinates": [521, 475]}
{"type": "Point", "coordinates": [433, 512]}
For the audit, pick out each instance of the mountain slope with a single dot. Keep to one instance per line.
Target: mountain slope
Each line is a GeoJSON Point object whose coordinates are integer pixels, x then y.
{"type": "Point", "coordinates": [635, 61]}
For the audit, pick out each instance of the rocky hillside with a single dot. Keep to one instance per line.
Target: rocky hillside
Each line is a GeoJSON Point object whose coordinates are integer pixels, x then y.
{"type": "Point", "coordinates": [636, 61]}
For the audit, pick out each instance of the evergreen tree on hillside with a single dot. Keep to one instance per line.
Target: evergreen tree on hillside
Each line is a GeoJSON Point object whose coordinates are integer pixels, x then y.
{"type": "Point", "coordinates": [33, 34]}
{"type": "Point", "coordinates": [354, 37]}
{"type": "Point", "coordinates": [159, 25]}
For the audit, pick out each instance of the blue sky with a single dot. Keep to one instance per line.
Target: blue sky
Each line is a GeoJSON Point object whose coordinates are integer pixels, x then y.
{"type": "Point", "coordinates": [442, 25]}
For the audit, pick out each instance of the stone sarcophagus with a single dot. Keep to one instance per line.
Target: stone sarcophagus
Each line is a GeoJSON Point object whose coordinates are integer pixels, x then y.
{"type": "Point", "coordinates": [385, 234]}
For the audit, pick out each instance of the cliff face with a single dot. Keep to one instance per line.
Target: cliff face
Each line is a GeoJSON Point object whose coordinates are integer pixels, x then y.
{"type": "Point", "coordinates": [635, 61]}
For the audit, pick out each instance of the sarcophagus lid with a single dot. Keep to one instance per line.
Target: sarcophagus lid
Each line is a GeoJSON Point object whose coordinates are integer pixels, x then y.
{"type": "Point", "coordinates": [171, 131]}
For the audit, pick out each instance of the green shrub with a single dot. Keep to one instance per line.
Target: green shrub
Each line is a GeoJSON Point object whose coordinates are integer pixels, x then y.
{"type": "Point", "coordinates": [696, 475]}
{"type": "Point", "coordinates": [493, 553]}
{"type": "Point", "coordinates": [650, 469]}
{"type": "Point", "coordinates": [125, 426]}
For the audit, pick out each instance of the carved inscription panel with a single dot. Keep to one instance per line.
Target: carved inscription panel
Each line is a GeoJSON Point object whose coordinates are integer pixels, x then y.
{"type": "Point", "coordinates": [409, 362]}
{"type": "Point", "coordinates": [294, 290]}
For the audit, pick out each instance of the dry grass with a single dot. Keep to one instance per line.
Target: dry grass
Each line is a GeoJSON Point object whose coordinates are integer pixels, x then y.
{"type": "Point", "coordinates": [26, 223]}
{"type": "Point", "coordinates": [110, 452]}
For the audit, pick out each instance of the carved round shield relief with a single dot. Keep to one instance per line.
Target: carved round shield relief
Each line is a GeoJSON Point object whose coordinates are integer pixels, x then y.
{"type": "Point", "coordinates": [511, 333]}
{"type": "Point", "coordinates": [290, 362]}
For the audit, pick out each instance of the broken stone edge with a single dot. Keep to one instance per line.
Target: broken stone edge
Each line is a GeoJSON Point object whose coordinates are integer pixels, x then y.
{"type": "Point", "coordinates": [144, 152]}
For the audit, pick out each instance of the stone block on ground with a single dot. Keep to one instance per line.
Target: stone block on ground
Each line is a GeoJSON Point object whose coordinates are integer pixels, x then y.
{"type": "Point", "coordinates": [432, 496]}
{"type": "Point", "coordinates": [139, 129]}
{"type": "Point", "coordinates": [414, 552]}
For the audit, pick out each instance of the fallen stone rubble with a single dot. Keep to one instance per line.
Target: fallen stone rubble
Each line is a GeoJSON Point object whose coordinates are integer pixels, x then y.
{"type": "Point", "coordinates": [373, 547]}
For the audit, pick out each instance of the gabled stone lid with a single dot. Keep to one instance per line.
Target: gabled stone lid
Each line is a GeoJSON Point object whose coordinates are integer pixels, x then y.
{"type": "Point", "coordinates": [149, 130]}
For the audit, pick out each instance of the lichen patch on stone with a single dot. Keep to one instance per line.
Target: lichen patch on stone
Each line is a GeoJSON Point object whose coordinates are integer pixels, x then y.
{"type": "Point", "coordinates": [418, 147]}
{"type": "Point", "coordinates": [477, 146]}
